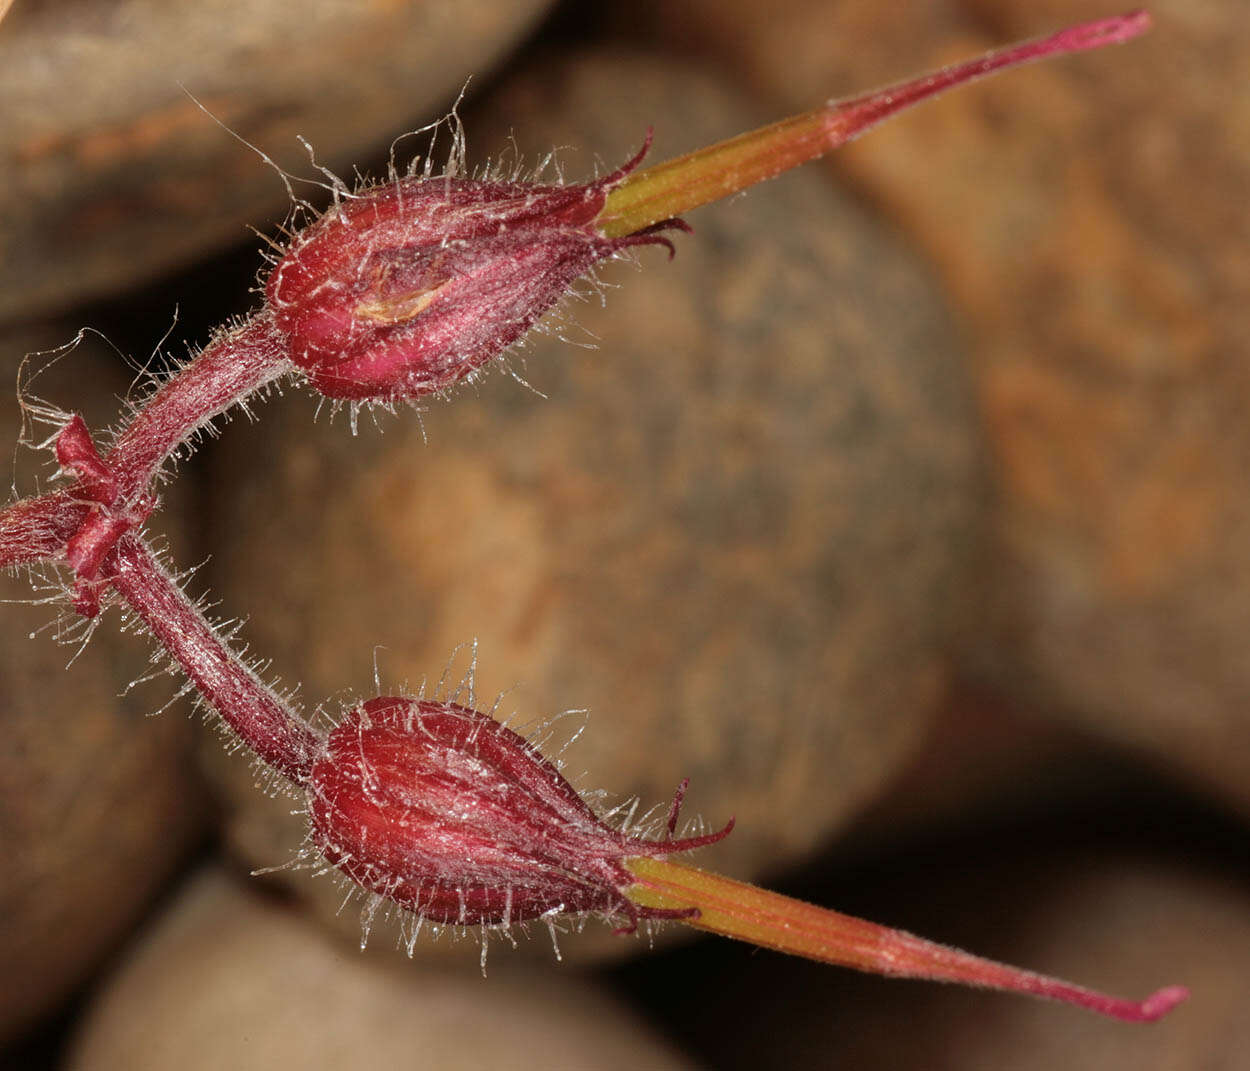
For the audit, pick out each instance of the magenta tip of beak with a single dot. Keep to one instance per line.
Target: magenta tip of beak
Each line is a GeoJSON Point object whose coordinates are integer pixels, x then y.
{"type": "Point", "coordinates": [1158, 1004]}
{"type": "Point", "coordinates": [1109, 31]}
{"type": "Point", "coordinates": [1150, 1010]}
{"type": "Point", "coordinates": [1080, 38]}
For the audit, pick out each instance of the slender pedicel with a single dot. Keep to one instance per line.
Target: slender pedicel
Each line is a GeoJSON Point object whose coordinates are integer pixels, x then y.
{"type": "Point", "coordinates": [260, 718]}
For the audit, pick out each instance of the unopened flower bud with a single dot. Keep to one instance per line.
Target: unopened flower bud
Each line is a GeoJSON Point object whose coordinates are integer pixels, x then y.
{"type": "Point", "coordinates": [455, 817]}
{"type": "Point", "coordinates": [410, 286]}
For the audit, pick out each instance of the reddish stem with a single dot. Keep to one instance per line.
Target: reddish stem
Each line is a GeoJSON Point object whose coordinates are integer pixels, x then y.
{"type": "Point", "coordinates": [265, 723]}
{"type": "Point", "coordinates": [231, 367]}
{"type": "Point", "coordinates": [36, 529]}
{"type": "Point", "coordinates": [736, 909]}
{"type": "Point", "coordinates": [237, 363]}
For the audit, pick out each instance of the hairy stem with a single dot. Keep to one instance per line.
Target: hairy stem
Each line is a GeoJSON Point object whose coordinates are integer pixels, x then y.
{"type": "Point", "coordinates": [36, 529]}
{"type": "Point", "coordinates": [736, 909]}
{"type": "Point", "coordinates": [235, 364]}
{"type": "Point", "coordinates": [266, 724]}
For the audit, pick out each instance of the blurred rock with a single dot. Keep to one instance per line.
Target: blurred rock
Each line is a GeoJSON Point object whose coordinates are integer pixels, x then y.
{"type": "Point", "coordinates": [228, 980]}
{"type": "Point", "coordinates": [1087, 218]}
{"type": "Point", "coordinates": [800, 51]}
{"type": "Point", "coordinates": [112, 171]}
{"type": "Point", "coordinates": [986, 762]}
{"type": "Point", "coordinates": [734, 534]}
{"type": "Point", "coordinates": [97, 800]}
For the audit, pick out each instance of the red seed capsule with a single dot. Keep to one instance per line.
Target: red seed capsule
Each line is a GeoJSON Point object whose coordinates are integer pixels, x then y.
{"type": "Point", "coordinates": [455, 817]}
{"type": "Point", "coordinates": [410, 286]}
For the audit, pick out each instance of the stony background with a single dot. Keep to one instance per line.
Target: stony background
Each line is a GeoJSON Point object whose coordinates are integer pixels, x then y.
{"type": "Point", "coordinates": [904, 512]}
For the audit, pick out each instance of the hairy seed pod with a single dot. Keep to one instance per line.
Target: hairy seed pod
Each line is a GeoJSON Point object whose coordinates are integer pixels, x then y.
{"type": "Point", "coordinates": [410, 286]}
{"type": "Point", "coordinates": [455, 817]}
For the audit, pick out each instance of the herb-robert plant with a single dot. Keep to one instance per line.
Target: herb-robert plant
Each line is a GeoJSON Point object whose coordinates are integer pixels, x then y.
{"type": "Point", "coordinates": [399, 290]}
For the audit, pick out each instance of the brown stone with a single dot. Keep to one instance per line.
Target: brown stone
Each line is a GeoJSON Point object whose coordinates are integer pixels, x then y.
{"type": "Point", "coordinates": [225, 979]}
{"type": "Point", "coordinates": [98, 801]}
{"type": "Point", "coordinates": [733, 533]}
{"type": "Point", "coordinates": [113, 172]}
{"type": "Point", "coordinates": [1086, 217]}
{"type": "Point", "coordinates": [985, 760]}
